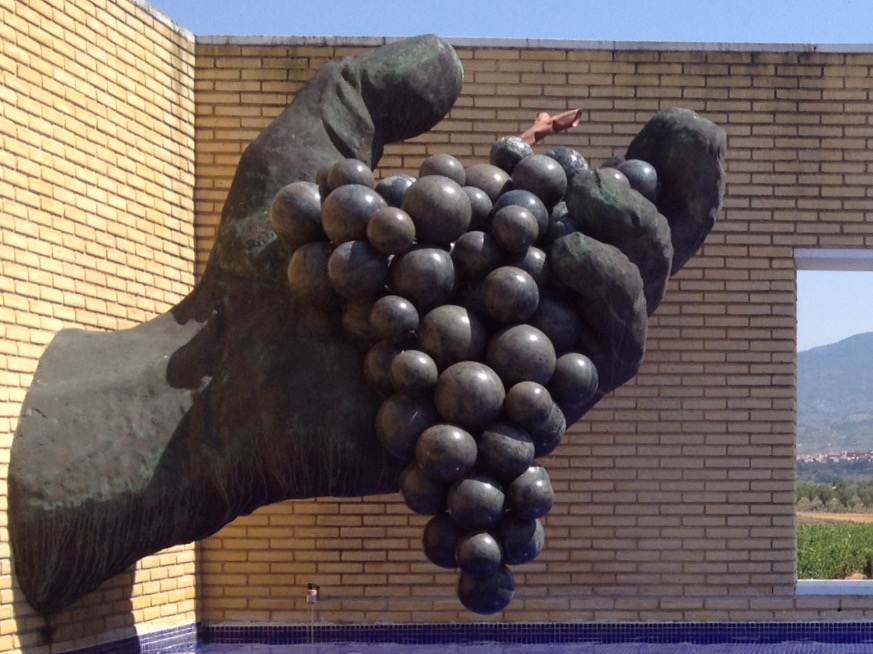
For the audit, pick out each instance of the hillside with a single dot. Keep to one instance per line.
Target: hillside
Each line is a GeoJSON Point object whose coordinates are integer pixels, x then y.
{"type": "Point", "coordinates": [835, 396]}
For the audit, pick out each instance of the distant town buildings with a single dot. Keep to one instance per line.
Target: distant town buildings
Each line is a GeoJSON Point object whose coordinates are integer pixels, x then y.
{"type": "Point", "coordinates": [836, 457]}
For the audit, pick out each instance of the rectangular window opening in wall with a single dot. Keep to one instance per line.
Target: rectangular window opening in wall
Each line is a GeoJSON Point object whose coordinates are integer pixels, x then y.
{"type": "Point", "coordinates": [834, 422]}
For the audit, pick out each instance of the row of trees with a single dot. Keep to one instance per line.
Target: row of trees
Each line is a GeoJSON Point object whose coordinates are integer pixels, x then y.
{"type": "Point", "coordinates": [841, 496]}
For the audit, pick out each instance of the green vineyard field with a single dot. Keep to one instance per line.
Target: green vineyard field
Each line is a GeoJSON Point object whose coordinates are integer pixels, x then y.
{"type": "Point", "coordinates": [834, 550]}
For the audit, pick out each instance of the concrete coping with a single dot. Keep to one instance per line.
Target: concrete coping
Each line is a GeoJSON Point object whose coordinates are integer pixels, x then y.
{"type": "Point", "coordinates": [546, 44]}
{"type": "Point", "coordinates": [825, 259]}
{"type": "Point", "coordinates": [164, 19]}
{"type": "Point", "coordinates": [834, 587]}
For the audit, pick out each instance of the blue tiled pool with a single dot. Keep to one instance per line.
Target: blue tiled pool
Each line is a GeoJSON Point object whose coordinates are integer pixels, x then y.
{"type": "Point", "coordinates": [555, 648]}
{"type": "Point", "coordinates": [544, 638]}
{"type": "Point", "coordinates": [505, 638]}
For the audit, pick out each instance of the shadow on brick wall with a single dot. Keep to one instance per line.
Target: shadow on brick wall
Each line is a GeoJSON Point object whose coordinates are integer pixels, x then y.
{"type": "Point", "coordinates": [102, 616]}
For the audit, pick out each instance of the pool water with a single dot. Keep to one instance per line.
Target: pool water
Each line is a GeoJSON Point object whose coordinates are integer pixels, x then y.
{"type": "Point", "coordinates": [540, 648]}
{"type": "Point", "coordinates": [541, 638]}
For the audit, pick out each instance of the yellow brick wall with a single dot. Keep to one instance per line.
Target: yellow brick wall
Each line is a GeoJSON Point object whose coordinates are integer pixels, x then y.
{"type": "Point", "coordinates": [675, 496]}
{"type": "Point", "coordinates": [96, 231]}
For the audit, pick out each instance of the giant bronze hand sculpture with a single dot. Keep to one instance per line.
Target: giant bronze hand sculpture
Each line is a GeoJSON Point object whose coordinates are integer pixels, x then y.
{"type": "Point", "coordinates": [133, 441]}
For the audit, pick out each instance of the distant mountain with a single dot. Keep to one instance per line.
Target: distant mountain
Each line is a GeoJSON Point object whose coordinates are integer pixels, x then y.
{"type": "Point", "coordinates": [835, 397]}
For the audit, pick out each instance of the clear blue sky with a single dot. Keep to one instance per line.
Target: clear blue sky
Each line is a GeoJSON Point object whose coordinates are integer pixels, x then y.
{"type": "Point", "coordinates": [831, 306]}
{"type": "Point", "coordinates": [767, 21]}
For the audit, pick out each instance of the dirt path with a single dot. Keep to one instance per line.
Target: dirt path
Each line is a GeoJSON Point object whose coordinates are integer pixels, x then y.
{"type": "Point", "coordinates": [811, 517]}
